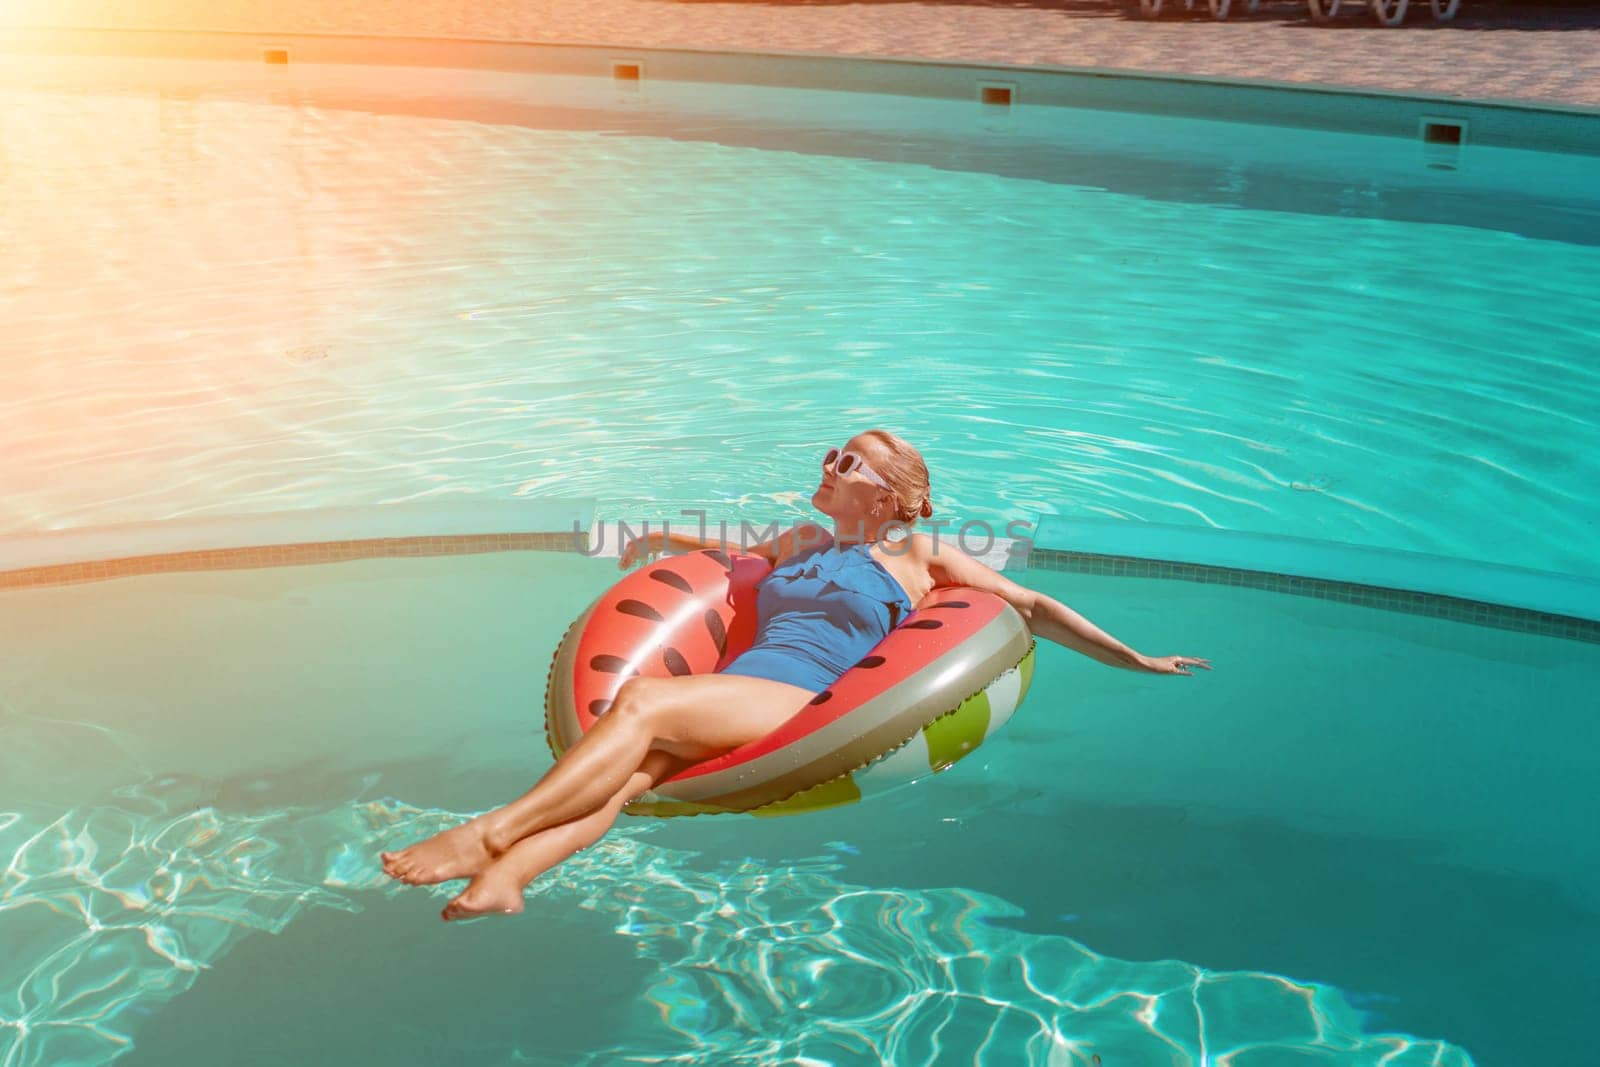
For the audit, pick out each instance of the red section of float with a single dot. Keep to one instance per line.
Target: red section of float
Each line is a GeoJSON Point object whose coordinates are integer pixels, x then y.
{"type": "Point", "coordinates": [686, 614]}
{"type": "Point", "coordinates": [909, 648]}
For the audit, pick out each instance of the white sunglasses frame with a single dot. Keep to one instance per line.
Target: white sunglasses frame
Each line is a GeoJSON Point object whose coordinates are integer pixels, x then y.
{"type": "Point", "coordinates": [860, 464]}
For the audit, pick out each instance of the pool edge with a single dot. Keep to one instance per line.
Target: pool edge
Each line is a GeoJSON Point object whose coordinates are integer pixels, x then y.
{"type": "Point", "coordinates": [1536, 125]}
{"type": "Point", "coordinates": [290, 538]}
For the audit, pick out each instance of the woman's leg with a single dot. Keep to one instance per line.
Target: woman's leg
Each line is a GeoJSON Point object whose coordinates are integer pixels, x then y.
{"type": "Point", "coordinates": [693, 716]}
{"type": "Point", "coordinates": [498, 888]}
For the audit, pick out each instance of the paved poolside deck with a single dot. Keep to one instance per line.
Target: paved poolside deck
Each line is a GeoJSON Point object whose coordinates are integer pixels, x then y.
{"type": "Point", "coordinates": [1492, 50]}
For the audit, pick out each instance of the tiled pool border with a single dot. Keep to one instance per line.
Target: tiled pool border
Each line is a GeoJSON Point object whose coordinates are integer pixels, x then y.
{"type": "Point", "coordinates": [1013, 557]}
{"type": "Point", "coordinates": [1432, 605]}
{"type": "Point", "coordinates": [291, 538]}
{"type": "Point", "coordinates": [299, 554]}
{"type": "Point", "coordinates": [1479, 590]}
{"type": "Point", "coordinates": [1343, 109]}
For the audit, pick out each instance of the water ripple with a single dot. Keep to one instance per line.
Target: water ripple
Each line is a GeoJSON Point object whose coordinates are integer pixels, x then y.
{"type": "Point", "coordinates": [117, 910]}
{"type": "Point", "coordinates": [229, 301]}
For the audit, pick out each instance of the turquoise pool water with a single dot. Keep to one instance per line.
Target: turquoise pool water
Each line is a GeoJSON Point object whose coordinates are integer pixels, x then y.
{"type": "Point", "coordinates": [1368, 838]}
{"type": "Point", "coordinates": [1366, 835]}
{"type": "Point", "coordinates": [239, 288]}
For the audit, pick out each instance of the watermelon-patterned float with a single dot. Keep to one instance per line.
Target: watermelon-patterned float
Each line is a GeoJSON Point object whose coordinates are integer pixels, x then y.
{"type": "Point", "coordinates": [948, 676]}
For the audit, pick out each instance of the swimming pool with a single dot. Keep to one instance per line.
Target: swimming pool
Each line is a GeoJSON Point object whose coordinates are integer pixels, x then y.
{"type": "Point", "coordinates": [366, 287]}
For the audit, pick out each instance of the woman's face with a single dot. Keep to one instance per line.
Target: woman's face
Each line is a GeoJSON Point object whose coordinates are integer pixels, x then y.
{"type": "Point", "coordinates": [854, 497]}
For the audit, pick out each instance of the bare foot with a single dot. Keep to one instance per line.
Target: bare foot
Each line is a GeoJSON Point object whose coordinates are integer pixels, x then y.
{"type": "Point", "coordinates": [494, 892]}
{"type": "Point", "coordinates": [459, 852]}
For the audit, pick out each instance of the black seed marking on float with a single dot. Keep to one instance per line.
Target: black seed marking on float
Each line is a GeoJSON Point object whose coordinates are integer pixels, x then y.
{"type": "Point", "coordinates": [675, 661]}
{"type": "Point", "coordinates": [639, 609]}
{"type": "Point", "coordinates": [950, 604]}
{"type": "Point", "coordinates": [719, 633]}
{"type": "Point", "coordinates": [598, 708]}
{"type": "Point", "coordinates": [608, 664]}
{"type": "Point", "coordinates": [674, 579]}
{"type": "Point", "coordinates": [923, 624]}
{"type": "Point", "coordinates": [823, 697]}
{"type": "Point", "coordinates": [871, 661]}
{"type": "Point", "coordinates": [720, 556]}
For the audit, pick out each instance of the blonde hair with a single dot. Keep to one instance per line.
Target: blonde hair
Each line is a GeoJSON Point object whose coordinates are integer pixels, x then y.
{"type": "Point", "coordinates": [903, 468]}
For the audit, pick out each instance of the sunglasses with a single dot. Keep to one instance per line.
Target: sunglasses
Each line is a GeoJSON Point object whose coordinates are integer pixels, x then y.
{"type": "Point", "coordinates": [845, 462]}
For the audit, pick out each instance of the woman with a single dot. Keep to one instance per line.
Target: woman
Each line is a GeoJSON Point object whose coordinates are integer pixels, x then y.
{"type": "Point", "coordinates": [829, 599]}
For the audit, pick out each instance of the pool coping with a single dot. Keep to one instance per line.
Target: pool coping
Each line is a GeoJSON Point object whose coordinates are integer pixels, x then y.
{"type": "Point", "coordinates": [1349, 109]}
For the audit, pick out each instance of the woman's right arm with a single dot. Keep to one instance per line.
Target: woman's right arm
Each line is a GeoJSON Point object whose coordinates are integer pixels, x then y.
{"type": "Point", "coordinates": [786, 544]}
{"type": "Point", "coordinates": [1046, 616]}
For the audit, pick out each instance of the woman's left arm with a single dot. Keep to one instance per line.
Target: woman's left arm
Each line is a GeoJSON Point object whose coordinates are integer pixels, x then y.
{"type": "Point", "coordinates": [1045, 616]}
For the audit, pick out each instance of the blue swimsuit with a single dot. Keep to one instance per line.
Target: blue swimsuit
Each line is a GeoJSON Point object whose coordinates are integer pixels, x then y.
{"type": "Point", "coordinates": [818, 614]}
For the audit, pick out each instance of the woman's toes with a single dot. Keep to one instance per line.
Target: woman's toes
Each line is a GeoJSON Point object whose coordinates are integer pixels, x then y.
{"type": "Point", "coordinates": [459, 852]}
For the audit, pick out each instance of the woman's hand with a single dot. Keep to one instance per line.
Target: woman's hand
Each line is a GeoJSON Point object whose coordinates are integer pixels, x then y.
{"type": "Point", "coordinates": [1173, 664]}
{"type": "Point", "coordinates": [642, 548]}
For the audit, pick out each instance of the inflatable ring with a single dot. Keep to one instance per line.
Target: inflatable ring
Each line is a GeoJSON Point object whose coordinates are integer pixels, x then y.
{"type": "Point", "coordinates": [929, 693]}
